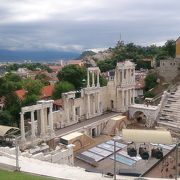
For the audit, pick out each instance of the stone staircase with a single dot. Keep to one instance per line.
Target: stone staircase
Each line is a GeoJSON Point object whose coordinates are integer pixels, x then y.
{"type": "Point", "coordinates": [169, 116]}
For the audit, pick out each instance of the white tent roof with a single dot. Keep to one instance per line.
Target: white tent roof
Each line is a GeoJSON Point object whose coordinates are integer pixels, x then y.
{"type": "Point", "coordinates": [5, 129]}
{"type": "Point", "coordinates": [147, 136]}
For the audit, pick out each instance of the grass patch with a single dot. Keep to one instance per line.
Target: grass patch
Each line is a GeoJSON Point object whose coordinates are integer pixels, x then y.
{"type": "Point", "coordinates": [6, 175]}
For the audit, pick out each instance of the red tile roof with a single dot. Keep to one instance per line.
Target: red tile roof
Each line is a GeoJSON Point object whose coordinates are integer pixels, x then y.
{"type": "Point", "coordinates": [20, 93]}
{"type": "Point", "coordinates": [46, 92]}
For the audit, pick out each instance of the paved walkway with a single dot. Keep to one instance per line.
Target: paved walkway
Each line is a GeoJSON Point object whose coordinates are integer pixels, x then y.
{"type": "Point", "coordinates": [75, 127]}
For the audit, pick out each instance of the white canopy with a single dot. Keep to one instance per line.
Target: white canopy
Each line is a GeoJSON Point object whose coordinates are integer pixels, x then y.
{"type": "Point", "coordinates": [147, 136]}
{"type": "Point", "coordinates": [4, 130]}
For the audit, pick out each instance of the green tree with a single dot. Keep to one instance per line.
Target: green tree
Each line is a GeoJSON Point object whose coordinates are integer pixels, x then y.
{"type": "Point", "coordinates": [74, 75]}
{"type": "Point", "coordinates": [33, 87]}
{"type": "Point", "coordinates": [62, 87]}
{"type": "Point", "coordinates": [150, 80]}
{"type": "Point", "coordinates": [6, 118]}
{"type": "Point", "coordinates": [149, 94]}
{"type": "Point", "coordinates": [103, 81]}
{"type": "Point", "coordinates": [170, 47]}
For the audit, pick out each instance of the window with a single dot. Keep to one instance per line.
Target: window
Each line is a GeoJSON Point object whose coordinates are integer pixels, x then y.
{"type": "Point", "coordinates": [112, 104]}
{"type": "Point", "coordinates": [124, 74]}
{"type": "Point", "coordinates": [132, 72]}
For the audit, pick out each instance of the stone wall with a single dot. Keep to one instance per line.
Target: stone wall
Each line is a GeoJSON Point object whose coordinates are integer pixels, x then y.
{"type": "Point", "coordinates": [169, 68]}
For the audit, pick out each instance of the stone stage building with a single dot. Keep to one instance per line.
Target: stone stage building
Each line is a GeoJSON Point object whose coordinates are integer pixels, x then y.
{"type": "Point", "coordinates": [94, 100]}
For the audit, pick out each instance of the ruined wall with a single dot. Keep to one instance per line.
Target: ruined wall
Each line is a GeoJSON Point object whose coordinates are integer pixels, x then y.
{"type": "Point", "coordinates": [169, 69]}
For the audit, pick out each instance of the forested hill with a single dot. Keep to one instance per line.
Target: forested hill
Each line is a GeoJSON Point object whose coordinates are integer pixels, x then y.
{"type": "Point", "coordinates": [131, 51]}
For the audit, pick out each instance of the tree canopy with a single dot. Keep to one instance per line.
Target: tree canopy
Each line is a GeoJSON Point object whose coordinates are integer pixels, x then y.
{"type": "Point", "coordinates": [74, 75]}
{"type": "Point", "coordinates": [62, 87]}
{"type": "Point", "coordinates": [12, 104]}
{"type": "Point", "coordinates": [150, 80]}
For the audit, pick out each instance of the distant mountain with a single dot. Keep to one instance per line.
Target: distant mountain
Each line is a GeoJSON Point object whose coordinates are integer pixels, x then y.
{"type": "Point", "coordinates": [35, 56]}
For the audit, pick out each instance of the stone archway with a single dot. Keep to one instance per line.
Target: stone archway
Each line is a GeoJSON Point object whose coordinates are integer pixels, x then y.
{"type": "Point", "coordinates": [76, 142]}
{"type": "Point", "coordinates": [140, 117]}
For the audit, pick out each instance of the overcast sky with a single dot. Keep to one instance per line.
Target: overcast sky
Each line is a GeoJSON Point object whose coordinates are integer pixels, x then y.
{"type": "Point", "coordinates": [76, 25]}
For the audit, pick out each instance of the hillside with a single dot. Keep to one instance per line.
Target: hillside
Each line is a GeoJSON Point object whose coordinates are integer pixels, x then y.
{"type": "Point", "coordinates": [106, 60]}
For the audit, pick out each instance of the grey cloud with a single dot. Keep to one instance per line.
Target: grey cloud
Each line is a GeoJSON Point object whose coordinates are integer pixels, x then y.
{"type": "Point", "coordinates": [138, 21]}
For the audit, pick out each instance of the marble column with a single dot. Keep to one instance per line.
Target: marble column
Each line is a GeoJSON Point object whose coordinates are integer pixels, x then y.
{"type": "Point", "coordinates": [93, 85]}
{"type": "Point", "coordinates": [122, 105]}
{"type": "Point", "coordinates": [129, 96]}
{"type": "Point", "coordinates": [22, 128]}
{"type": "Point", "coordinates": [88, 78]}
{"type": "Point", "coordinates": [134, 75]}
{"type": "Point", "coordinates": [67, 111]}
{"type": "Point", "coordinates": [98, 101]}
{"type": "Point", "coordinates": [122, 75]}
{"type": "Point", "coordinates": [32, 125]}
{"type": "Point", "coordinates": [94, 107]}
{"type": "Point", "coordinates": [98, 85]}
{"type": "Point", "coordinates": [126, 97]}
{"type": "Point", "coordinates": [51, 122]}
{"type": "Point", "coordinates": [79, 111]}
{"type": "Point", "coordinates": [42, 134]}
{"type": "Point", "coordinates": [74, 113]}
{"type": "Point", "coordinates": [88, 105]}
{"type": "Point", "coordinates": [133, 94]}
